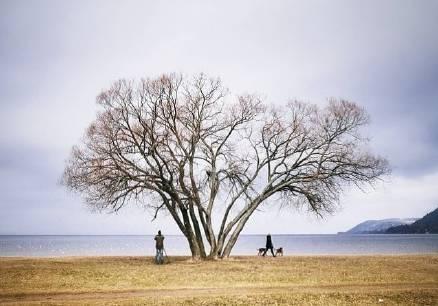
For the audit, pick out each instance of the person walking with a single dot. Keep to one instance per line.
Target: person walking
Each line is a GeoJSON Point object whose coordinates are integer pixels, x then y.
{"type": "Point", "coordinates": [269, 245]}
{"type": "Point", "coordinates": [159, 246]}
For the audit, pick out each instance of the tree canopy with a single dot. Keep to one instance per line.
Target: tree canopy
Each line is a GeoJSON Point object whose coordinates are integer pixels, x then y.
{"type": "Point", "coordinates": [187, 146]}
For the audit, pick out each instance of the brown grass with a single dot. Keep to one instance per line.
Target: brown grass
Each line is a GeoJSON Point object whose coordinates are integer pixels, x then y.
{"type": "Point", "coordinates": [316, 280]}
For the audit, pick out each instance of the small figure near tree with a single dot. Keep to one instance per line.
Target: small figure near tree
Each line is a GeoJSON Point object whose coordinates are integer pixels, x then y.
{"type": "Point", "coordinates": [159, 246]}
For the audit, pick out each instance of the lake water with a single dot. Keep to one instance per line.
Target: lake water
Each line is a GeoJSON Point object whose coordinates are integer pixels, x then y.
{"type": "Point", "coordinates": [246, 245]}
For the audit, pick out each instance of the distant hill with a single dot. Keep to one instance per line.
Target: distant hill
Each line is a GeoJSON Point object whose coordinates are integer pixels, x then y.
{"type": "Point", "coordinates": [379, 226]}
{"type": "Point", "coordinates": [427, 224]}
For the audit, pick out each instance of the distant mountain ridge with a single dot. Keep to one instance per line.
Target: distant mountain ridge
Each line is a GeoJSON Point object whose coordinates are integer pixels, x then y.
{"type": "Point", "coordinates": [426, 225]}
{"type": "Point", "coordinates": [379, 226]}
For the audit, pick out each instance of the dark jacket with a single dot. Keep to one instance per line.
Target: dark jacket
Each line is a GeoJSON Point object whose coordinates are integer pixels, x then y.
{"type": "Point", "coordinates": [159, 242]}
{"type": "Point", "coordinates": [269, 244]}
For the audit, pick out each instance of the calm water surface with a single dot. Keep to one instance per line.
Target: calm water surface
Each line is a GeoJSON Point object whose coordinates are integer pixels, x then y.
{"type": "Point", "coordinates": [246, 245]}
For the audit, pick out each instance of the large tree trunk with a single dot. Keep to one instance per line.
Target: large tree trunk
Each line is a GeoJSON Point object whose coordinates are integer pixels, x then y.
{"type": "Point", "coordinates": [198, 234]}
{"type": "Point", "coordinates": [209, 234]}
{"type": "Point", "coordinates": [194, 247]}
{"type": "Point", "coordinates": [191, 237]}
{"type": "Point", "coordinates": [233, 238]}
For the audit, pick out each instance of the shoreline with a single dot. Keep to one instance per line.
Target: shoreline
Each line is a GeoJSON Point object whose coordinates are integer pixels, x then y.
{"type": "Point", "coordinates": [231, 257]}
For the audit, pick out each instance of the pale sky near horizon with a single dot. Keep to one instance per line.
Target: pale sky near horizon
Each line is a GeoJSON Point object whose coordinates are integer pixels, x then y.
{"type": "Point", "coordinates": [56, 56]}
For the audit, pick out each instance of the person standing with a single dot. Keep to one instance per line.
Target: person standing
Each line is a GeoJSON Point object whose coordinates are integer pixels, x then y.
{"type": "Point", "coordinates": [159, 246]}
{"type": "Point", "coordinates": [269, 245]}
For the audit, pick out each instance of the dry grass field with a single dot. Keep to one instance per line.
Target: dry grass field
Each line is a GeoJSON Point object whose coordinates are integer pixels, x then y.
{"type": "Point", "coordinates": [297, 280]}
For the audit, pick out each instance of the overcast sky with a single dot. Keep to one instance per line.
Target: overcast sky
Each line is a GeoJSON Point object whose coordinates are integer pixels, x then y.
{"type": "Point", "coordinates": [56, 56]}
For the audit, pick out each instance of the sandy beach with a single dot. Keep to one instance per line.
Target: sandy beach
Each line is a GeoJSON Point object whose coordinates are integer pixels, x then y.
{"type": "Point", "coordinates": [247, 280]}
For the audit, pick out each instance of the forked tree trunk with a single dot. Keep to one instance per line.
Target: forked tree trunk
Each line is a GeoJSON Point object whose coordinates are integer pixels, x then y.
{"type": "Point", "coordinates": [191, 228]}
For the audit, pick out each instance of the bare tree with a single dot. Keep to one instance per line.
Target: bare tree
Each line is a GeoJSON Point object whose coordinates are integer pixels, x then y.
{"type": "Point", "coordinates": [187, 147]}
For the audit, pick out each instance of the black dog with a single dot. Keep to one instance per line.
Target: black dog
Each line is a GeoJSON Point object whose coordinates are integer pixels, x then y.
{"type": "Point", "coordinates": [261, 251]}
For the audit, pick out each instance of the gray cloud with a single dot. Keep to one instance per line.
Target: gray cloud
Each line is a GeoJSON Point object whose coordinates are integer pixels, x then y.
{"type": "Point", "coordinates": [56, 57]}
